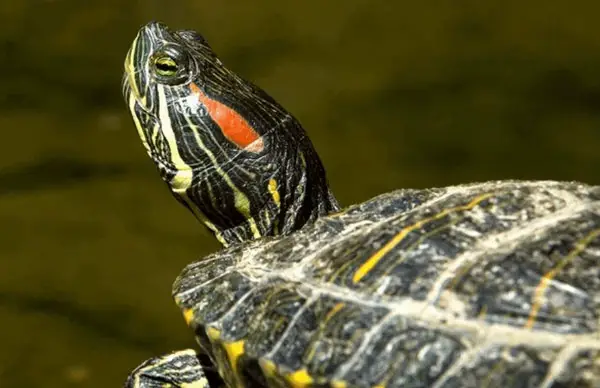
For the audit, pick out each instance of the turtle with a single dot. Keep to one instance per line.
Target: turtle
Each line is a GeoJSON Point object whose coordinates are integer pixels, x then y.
{"type": "Point", "coordinates": [480, 284]}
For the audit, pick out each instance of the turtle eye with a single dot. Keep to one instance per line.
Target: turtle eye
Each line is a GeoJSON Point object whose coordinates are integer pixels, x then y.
{"type": "Point", "coordinates": [165, 66]}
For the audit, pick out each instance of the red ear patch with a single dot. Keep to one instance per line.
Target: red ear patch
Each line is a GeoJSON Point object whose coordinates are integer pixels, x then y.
{"type": "Point", "coordinates": [234, 127]}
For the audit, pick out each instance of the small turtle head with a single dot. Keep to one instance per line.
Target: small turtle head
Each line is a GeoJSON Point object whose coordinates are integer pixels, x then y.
{"type": "Point", "coordinates": [231, 154]}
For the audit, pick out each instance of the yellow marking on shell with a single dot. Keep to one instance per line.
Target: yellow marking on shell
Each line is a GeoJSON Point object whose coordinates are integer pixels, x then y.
{"type": "Point", "coordinates": [418, 242]}
{"type": "Point", "coordinates": [330, 314]}
{"type": "Point", "coordinates": [234, 351]}
{"type": "Point", "coordinates": [188, 315]}
{"type": "Point", "coordinates": [268, 367]}
{"type": "Point", "coordinates": [540, 290]}
{"type": "Point", "coordinates": [377, 256]}
{"type": "Point", "coordinates": [274, 192]}
{"type": "Point", "coordinates": [300, 379]}
{"type": "Point", "coordinates": [334, 311]}
{"type": "Point", "coordinates": [379, 386]}
{"type": "Point", "coordinates": [213, 334]}
{"type": "Point", "coordinates": [241, 201]}
{"type": "Point", "coordinates": [338, 384]}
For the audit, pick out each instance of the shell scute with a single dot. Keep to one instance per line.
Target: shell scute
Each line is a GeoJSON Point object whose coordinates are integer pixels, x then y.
{"type": "Point", "coordinates": [403, 352]}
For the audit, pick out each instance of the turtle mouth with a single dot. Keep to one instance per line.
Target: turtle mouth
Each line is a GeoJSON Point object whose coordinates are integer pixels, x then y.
{"type": "Point", "coordinates": [130, 90]}
{"type": "Point", "coordinates": [137, 82]}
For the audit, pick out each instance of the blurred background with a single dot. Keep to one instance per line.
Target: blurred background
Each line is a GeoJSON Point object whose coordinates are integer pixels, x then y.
{"type": "Point", "coordinates": [393, 93]}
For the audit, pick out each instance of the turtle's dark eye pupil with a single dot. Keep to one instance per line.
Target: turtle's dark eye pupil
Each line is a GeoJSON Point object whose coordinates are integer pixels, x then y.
{"type": "Point", "coordinates": [165, 66]}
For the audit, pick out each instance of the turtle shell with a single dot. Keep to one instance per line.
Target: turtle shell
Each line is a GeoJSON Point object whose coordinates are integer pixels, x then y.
{"type": "Point", "coordinates": [494, 284]}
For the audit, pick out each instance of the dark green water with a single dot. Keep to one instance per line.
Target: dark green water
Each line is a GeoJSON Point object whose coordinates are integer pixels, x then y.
{"type": "Point", "coordinates": [393, 93]}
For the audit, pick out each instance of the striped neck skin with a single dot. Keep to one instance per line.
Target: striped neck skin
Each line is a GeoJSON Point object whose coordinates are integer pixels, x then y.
{"type": "Point", "coordinates": [229, 153]}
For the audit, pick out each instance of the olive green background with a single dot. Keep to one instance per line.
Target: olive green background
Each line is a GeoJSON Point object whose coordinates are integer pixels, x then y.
{"type": "Point", "coordinates": [393, 93]}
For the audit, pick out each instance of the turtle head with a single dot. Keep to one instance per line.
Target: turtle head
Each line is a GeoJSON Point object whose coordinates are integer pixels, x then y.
{"type": "Point", "coordinates": [228, 152]}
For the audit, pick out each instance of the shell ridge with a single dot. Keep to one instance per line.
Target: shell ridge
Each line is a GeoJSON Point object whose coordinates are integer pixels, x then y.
{"type": "Point", "coordinates": [481, 332]}
{"type": "Point", "coordinates": [535, 230]}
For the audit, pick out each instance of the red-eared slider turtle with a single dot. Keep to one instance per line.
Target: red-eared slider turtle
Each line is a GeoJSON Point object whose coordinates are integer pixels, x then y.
{"type": "Point", "coordinates": [491, 284]}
